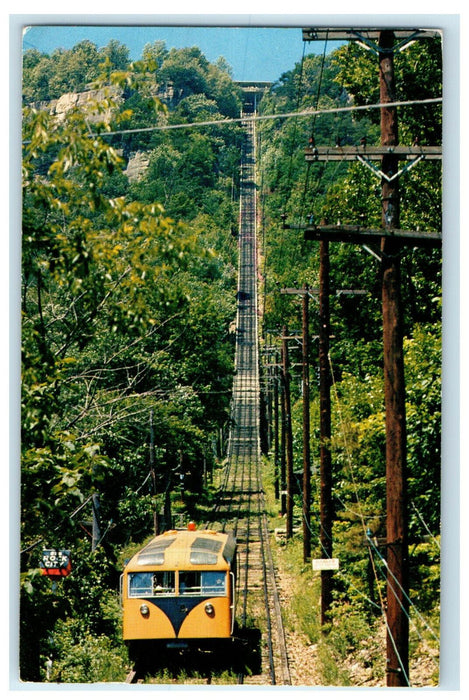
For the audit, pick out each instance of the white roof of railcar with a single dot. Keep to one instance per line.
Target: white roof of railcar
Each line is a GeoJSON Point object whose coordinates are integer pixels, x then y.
{"type": "Point", "coordinates": [179, 549]}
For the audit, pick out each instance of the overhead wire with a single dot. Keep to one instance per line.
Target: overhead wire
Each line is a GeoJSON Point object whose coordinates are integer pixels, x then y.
{"type": "Point", "coordinates": [389, 574]}
{"type": "Point", "coordinates": [315, 113]}
{"type": "Point", "coordinates": [89, 498]}
{"type": "Point", "coordinates": [41, 539]}
{"type": "Point", "coordinates": [404, 593]}
{"type": "Point", "coordinates": [349, 581]}
{"type": "Point", "coordinates": [381, 607]}
{"type": "Point", "coordinates": [382, 568]}
{"type": "Point", "coordinates": [266, 117]}
{"type": "Point", "coordinates": [312, 140]}
{"type": "Point", "coordinates": [435, 541]}
{"type": "Point", "coordinates": [292, 147]}
{"type": "Point", "coordinates": [360, 513]}
{"type": "Point", "coordinates": [289, 178]}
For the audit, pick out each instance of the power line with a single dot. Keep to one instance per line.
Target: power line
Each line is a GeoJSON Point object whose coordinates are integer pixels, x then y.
{"type": "Point", "coordinates": [298, 98]}
{"type": "Point", "coordinates": [41, 539]}
{"type": "Point", "coordinates": [406, 596]}
{"type": "Point", "coordinates": [308, 166]}
{"type": "Point", "coordinates": [425, 524]}
{"type": "Point", "coordinates": [264, 117]}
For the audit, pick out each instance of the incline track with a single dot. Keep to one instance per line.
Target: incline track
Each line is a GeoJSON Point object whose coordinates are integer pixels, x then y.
{"type": "Point", "coordinates": [241, 506]}
{"type": "Point", "coordinates": [243, 498]}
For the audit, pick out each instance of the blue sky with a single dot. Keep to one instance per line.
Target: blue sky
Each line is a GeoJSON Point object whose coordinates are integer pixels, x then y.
{"type": "Point", "coordinates": [254, 53]}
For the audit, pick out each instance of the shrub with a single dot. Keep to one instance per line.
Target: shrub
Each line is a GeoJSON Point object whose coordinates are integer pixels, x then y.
{"type": "Point", "coordinates": [80, 657]}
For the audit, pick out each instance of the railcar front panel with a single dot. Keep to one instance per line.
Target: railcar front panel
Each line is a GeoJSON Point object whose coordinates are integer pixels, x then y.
{"type": "Point", "coordinates": [180, 587]}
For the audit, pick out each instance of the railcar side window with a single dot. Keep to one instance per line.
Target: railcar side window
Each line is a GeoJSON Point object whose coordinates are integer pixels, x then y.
{"type": "Point", "coordinates": [151, 583]}
{"type": "Point", "coordinates": [213, 582]}
{"type": "Point", "coordinates": [140, 584]}
{"type": "Point", "coordinates": [202, 583]}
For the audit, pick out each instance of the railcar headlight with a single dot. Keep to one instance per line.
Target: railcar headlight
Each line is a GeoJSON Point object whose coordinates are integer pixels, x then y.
{"type": "Point", "coordinates": [145, 610]}
{"type": "Point", "coordinates": [210, 610]}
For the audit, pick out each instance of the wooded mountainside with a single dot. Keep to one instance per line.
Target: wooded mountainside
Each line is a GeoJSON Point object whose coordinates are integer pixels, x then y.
{"type": "Point", "coordinates": [129, 291]}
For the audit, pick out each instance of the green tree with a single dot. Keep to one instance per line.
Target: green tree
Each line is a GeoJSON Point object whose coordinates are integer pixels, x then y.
{"type": "Point", "coordinates": [418, 75]}
{"type": "Point", "coordinates": [117, 53]}
{"type": "Point", "coordinates": [109, 281]}
{"type": "Point", "coordinates": [155, 52]}
{"type": "Point", "coordinates": [350, 194]}
{"type": "Point", "coordinates": [74, 69]}
{"type": "Point", "coordinates": [90, 266]}
{"type": "Point", "coordinates": [38, 70]}
{"type": "Point", "coordinates": [186, 70]}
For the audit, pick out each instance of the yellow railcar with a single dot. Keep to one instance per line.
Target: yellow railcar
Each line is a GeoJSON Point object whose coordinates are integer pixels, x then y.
{"type": "Point", "coordinates": [180, 589]}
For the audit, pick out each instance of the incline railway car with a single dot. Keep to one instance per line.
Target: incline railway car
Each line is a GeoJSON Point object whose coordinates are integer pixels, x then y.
{"type": "Point", "coordinates": [180, 589]}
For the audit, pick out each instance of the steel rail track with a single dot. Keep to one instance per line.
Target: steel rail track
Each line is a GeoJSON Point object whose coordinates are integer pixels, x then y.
{"type": "Point", "coordinates": [243, 480]}
{"type": "Point", "coordinates": [241, 504]}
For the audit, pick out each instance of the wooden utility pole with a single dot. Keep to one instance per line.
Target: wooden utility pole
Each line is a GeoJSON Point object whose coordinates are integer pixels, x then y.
{"type": "Point", "coordinates": [272, 353]}
{"type": "Point", "coordinates": [270, 402]}
{"type": "Point", "coordinates": [276, 436]}
{"type": "Point", "coordinates": [325, 429]}
{"type": "Point", "coordinates": [326, 507]}
{"type": "Point", "coordinates": [397, 670]}
{"type": "Point", "coordinates": [288, 434]}
{"type": "Point", "coordinates": [384, 43]}
{"type": "Point", "coordinates": [283, 458]}
{"type": "Point", "coordinates": [306, 497]}
{"type": "Point", "coordinates": [153, 475]}
{"type": "Point", "coordinates": [306, 432]}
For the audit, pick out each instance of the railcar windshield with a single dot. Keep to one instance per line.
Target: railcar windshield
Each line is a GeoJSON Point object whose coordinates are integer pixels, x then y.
{"type": "Point", "coordinates": [211, 583]}
{"type": "Point", "coordinates": [151, 583]}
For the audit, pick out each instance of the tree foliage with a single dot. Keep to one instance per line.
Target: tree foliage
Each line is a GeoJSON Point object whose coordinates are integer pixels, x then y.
{"type": "Point", "coordinates": [49, 77]}
{"type": "Point", "coordinates": [128, 291]}
{"type": "Point", "coordinates": [350, 194]}
{"type": "Point", "coordinates": [126, 306]}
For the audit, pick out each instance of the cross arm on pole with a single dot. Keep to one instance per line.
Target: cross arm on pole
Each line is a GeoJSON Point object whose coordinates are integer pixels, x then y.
{"type": "Point", "coordinates": [367, 37]}
{"type": "Point", "coordinates": [309, 292]}
{"type": "Point", "coordinates": [368, 153]}
{"type": "Point", "coordinates": [358, 234]}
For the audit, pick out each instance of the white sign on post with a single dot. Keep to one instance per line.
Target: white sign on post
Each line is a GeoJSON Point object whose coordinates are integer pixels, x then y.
{"type": "Point", "coordinates": [325, 564]}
